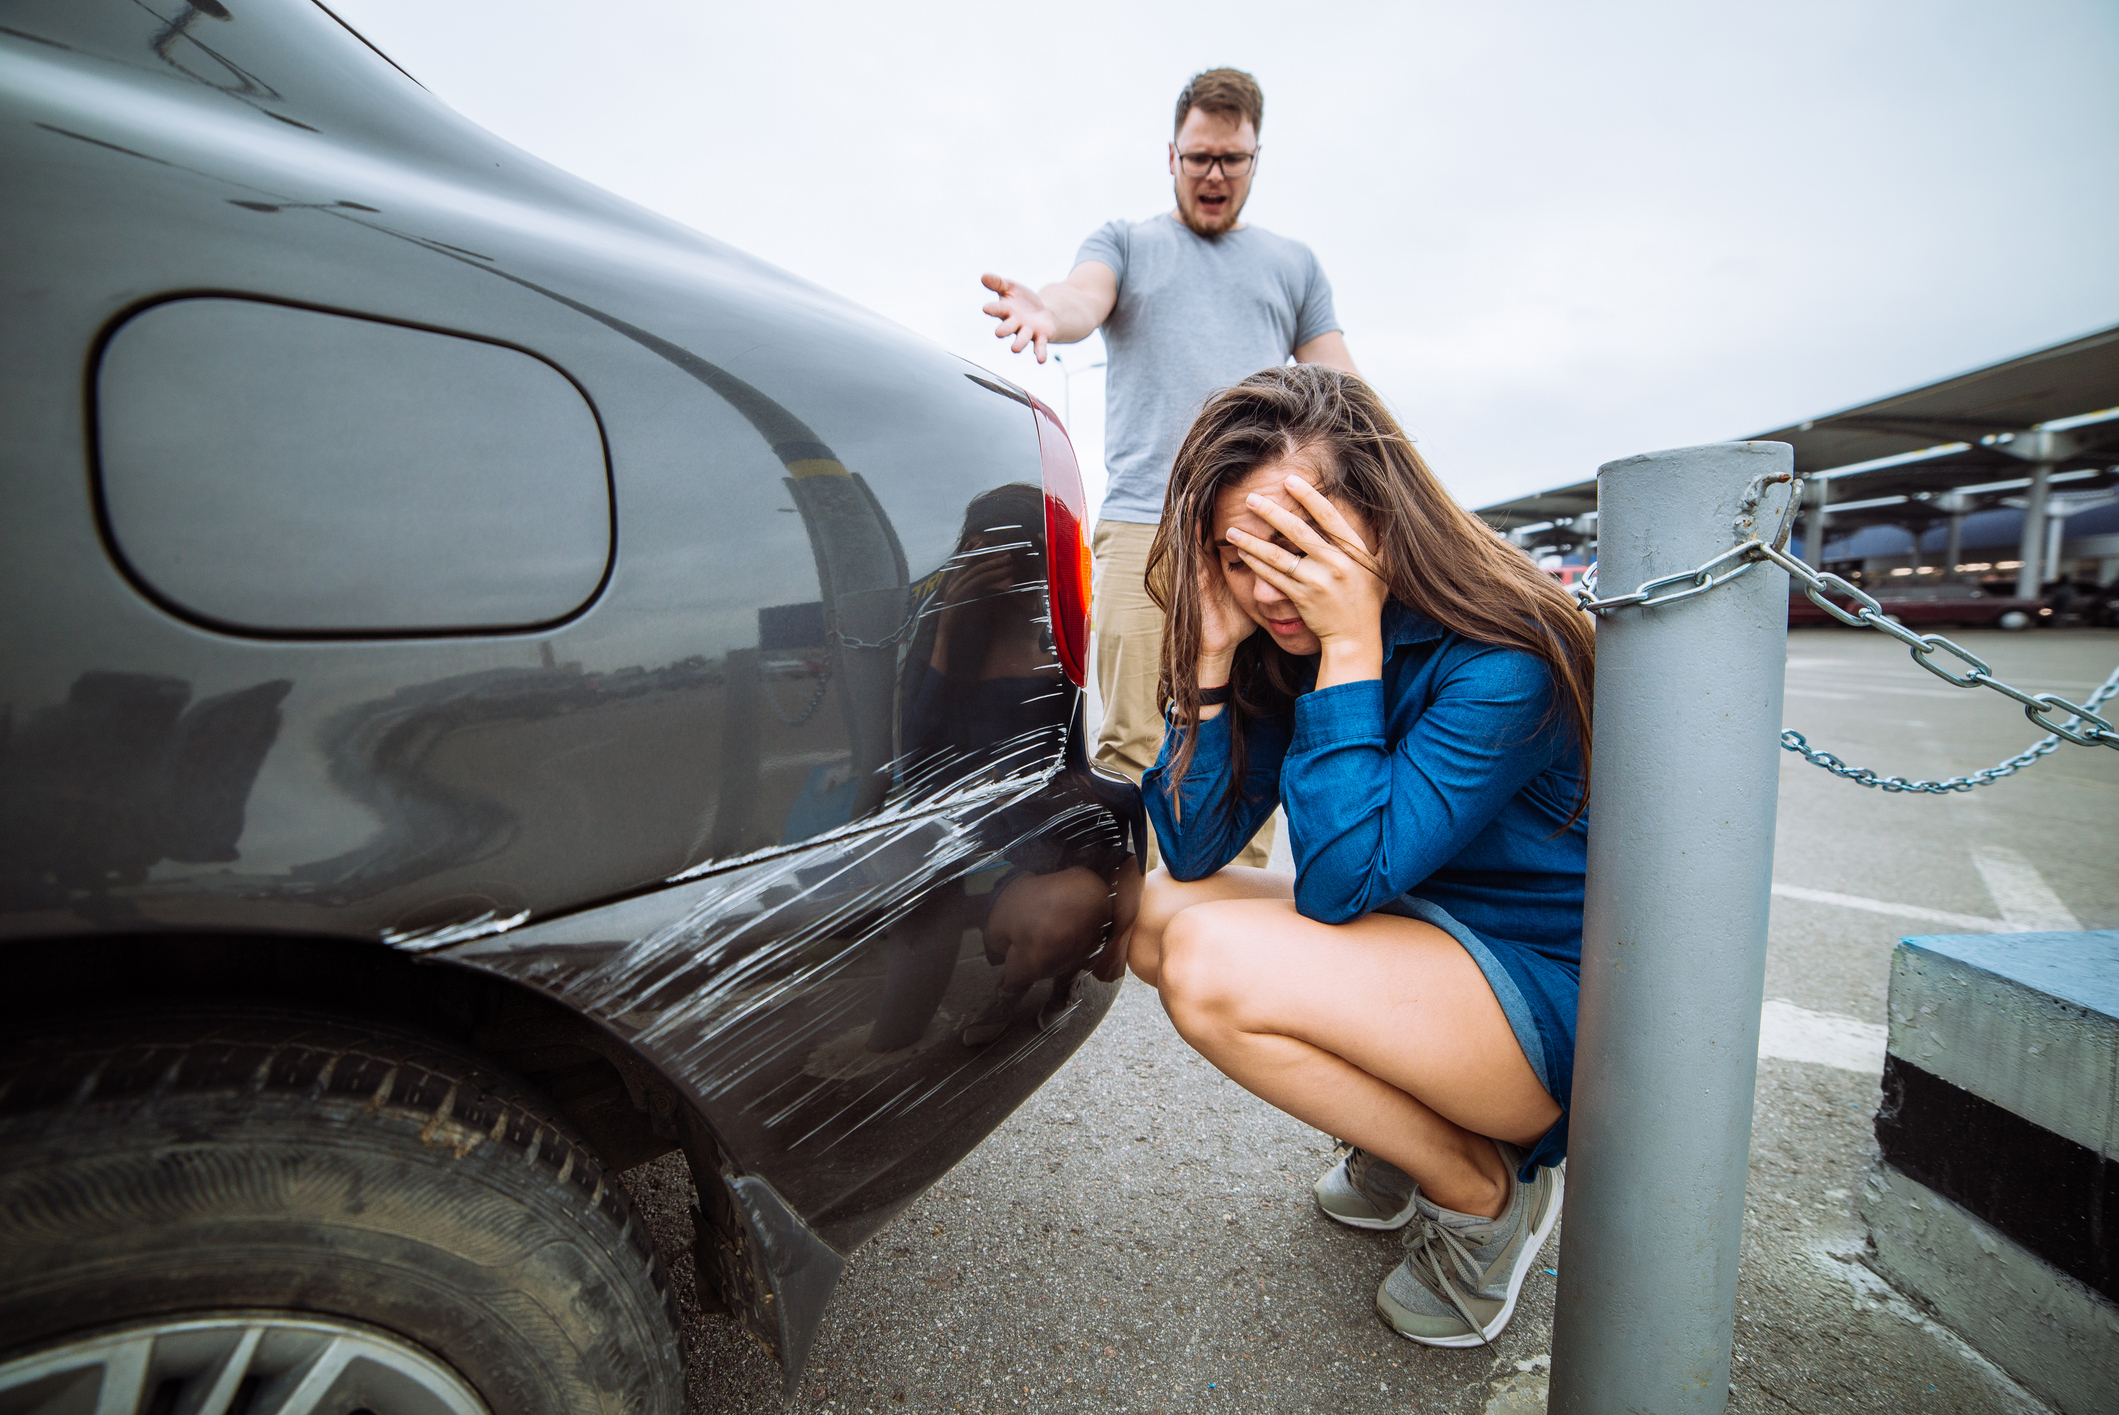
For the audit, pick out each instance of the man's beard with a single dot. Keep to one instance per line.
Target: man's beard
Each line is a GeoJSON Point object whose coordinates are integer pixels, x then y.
{"type": "Point", "coordinates": [1193, 216]}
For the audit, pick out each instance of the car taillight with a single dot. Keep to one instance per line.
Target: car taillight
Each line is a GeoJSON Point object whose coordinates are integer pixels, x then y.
{"type": "Point", "coordinates": [1066, 544]}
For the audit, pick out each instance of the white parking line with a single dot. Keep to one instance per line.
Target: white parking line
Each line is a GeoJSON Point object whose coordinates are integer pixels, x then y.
{"type": "Point", "coordinates": [1825, 1038]}
{"type": "Point", "coordinates": [1883, 681]}
{"type": "Point", "coordinates": [1964, 923]}
{"type": "Point", "coordinates": [1881, 690]}
{"type": "Point", "coordinates": [2020, 892]}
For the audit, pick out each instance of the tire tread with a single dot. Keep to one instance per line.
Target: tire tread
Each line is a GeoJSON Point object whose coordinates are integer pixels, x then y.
{"type": "Point", "coordinates": [63, 1081]}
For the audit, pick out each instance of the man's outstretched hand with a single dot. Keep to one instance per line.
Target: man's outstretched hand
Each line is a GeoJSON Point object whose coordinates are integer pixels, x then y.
{"type": "Point", "coordinates": [1022, 312]}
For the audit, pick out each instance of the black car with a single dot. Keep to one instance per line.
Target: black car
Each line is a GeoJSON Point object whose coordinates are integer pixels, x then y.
{"type": "Point", "coordinates": [497, 687]}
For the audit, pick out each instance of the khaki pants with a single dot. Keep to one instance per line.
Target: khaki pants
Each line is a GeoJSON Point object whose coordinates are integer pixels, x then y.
{"type": "Point", "coordinates": [1129, 641]}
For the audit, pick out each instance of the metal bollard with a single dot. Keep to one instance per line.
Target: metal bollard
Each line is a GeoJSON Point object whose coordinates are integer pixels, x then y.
{"type": "Point", "coordinates": [1688, 715]}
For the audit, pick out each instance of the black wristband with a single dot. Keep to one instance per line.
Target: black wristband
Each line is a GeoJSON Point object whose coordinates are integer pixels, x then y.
{"type": "Point", "coordinates": [1214, 697]}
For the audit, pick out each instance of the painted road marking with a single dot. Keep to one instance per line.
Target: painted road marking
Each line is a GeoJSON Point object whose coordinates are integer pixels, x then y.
{"type": "Point", "coordinates": [2021, 893]}
{"type": "Point", "coordinates": [1963, 923]}
{"type": "Point", "coordinates": [1825, 1038]}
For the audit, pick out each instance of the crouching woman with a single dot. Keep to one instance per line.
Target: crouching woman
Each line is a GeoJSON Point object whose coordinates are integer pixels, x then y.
{"type": "Point", "coordinates": [1346, 642]}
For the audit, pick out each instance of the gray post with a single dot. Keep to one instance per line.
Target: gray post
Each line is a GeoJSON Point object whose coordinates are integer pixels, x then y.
{"type": "Point", "coordinates": [2030, 578]}
{"type": "Point", "coordinates": [1688, 701]}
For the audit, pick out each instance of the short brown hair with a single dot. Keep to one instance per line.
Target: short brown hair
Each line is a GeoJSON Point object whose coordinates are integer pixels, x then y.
{"type": "Point", "coordinates": [1229, 92]}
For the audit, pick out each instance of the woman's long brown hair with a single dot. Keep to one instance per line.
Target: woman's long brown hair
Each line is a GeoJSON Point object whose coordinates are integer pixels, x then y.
{"type": "Point", "coordinates": [1438, 559]}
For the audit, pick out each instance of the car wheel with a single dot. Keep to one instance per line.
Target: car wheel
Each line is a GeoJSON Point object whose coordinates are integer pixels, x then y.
{"type": "Point", "coordinates": [288, 1213]}
{"type": "Point", "coordinates": [2013, 620]}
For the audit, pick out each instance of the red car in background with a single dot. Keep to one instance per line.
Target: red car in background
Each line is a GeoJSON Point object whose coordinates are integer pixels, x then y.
{"type": "Point", "coordinates": [1935, 604]}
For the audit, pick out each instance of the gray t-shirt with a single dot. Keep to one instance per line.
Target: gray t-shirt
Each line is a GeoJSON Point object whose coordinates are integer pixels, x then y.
{"type": "Point", "coordinates": [1193, 315]}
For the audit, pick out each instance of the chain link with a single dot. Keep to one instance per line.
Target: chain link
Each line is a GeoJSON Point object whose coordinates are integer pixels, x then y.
{"type": "Point", "coordinates": [1962, 669]}
{"type": "Point", "coordinates": [896, 636]}
{"type": "Point", "coordinates": [905, 630]}
{"type": "Point", "coordinates": [919, 604]}
{"type": "Point", "coordinates": [816, 699]}
{"type": "Point", "coordinates": [1794, 741]}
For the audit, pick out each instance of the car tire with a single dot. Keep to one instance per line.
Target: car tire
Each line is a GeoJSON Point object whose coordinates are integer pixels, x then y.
{"type": "Point", "coordinates": [2014, 620]}
{"type": "Point", "coordinates": [163, 1177]}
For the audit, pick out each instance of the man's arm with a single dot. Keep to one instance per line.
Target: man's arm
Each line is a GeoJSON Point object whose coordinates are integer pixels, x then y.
{"type": "Point", "coordinates": [1329, 350]}
{"type": "Point", "coordinates": [1062, 313]}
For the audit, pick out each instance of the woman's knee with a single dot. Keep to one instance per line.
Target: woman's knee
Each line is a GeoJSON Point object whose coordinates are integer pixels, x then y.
{"type": "Point", "coordinates": [1160, 897]}
{"type": "Point", "coordinates": [1246, 895]}
{"type": "Point", "coordinates": [1208, 963]}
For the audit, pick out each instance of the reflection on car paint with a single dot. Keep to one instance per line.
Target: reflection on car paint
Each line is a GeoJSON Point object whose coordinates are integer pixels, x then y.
{"type": "Point", "coordinates": [97, 790]}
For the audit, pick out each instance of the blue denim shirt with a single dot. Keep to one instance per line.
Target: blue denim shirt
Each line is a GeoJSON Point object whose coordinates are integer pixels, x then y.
{"type": "Point", "coordinates": [1448, 780]}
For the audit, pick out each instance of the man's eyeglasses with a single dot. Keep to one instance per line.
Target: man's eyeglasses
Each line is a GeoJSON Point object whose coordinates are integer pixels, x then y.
{"type": "Point", "coordinates": [1199, 164]}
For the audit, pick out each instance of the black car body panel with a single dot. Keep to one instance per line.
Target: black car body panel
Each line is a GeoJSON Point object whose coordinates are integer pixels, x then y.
{"type": "Point", "coordinates": [407, 543]}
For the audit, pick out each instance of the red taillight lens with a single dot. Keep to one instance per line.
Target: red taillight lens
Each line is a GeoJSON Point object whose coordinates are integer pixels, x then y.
{"type": "Point", "coordinates": [1066, 544]}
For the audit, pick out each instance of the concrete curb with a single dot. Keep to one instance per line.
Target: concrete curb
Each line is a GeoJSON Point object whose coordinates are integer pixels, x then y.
{"type": "Point", "coordinates": [2048, 1331]}
{"type": "Point", "coordinates": [1998, 1128]}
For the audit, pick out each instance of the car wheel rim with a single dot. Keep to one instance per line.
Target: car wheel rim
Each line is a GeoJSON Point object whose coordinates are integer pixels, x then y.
{"type": "Point", "coordinates": [258, 1363]}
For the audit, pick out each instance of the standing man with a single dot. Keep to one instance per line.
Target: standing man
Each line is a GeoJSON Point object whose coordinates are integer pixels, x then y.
{"type": "Point", "coordinates": [1189, 301]}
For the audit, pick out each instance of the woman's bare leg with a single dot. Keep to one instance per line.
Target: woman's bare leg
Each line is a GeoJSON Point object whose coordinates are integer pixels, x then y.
{"type": "Point", "coordinates": [1383, 1032]}
{"type": "Point", "coordinates": [1163, 898]}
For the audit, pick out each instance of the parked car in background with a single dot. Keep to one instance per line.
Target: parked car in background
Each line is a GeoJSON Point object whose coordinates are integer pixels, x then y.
{"type": "Point", "coordinates": [1568, 575]}
{"type": "Point", "coordinates": [2083, 601]}
{"type": "Point", "coordinates": [1935, 604]}
{"type": "Point", "coordinates": [498, 687]}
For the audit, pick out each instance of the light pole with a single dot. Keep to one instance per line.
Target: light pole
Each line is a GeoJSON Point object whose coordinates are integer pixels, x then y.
{"type": "Point", "coordinates": [1067, 385]}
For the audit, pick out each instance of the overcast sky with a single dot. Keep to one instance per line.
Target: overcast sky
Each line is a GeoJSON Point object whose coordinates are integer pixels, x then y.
{"type": "Point", "coordinates": [1557, 233]}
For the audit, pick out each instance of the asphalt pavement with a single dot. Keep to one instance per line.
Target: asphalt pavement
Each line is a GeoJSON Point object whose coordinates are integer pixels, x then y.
{"type": "Point", "coordinates": [1139, 1237]}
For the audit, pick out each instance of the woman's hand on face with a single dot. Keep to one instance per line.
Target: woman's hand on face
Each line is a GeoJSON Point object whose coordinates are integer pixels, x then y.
{"type": "Point", "coordinates": [1222, 624]}
{"type": "Point", "coordinates": [1332, 579]}
{"type": "Point", "coordinates": [983, 576]}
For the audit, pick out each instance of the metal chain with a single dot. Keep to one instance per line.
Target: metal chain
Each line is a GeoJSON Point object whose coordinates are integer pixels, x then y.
{"type": "Point", "coordinates": [921, 601]}
{"type": "Point", "coordinates": [891, 640]}
{"type": "Point", "coordinates": [2084, 726]}
{"type": "Point", "coordinates": [816, 700]}
{"type": "Point", "coordinates": [1794, 741]}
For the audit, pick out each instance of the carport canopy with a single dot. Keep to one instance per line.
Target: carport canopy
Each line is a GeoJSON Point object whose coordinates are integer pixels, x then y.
{"type": "Point", "coordinates": [2007, 434]}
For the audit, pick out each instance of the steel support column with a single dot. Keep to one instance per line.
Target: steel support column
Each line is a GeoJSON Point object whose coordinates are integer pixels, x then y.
{"type": "Point", "coordinates": [2030, 577]}
{"type": "Point", "coordinates": [1814, 528]}
{"type": "Point", "coordinates": [1958, 506]}
{"type": "Point", "coordinates": [1688, 713]}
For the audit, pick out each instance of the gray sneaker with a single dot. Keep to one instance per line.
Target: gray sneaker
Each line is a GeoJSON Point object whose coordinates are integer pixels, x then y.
{"type": "Point", "coordinates": [1461, 1274]}
{"type": "Point", "coordinates": [1363, 1191]}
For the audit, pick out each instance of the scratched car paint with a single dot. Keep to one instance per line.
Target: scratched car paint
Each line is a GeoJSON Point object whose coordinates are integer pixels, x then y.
{"type": "Point", "coordinates": [672, 719]}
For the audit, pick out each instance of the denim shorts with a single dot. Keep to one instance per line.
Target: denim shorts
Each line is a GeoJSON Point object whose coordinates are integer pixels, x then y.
{"type": "Point", "coordinates": [1538, 996]}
